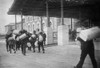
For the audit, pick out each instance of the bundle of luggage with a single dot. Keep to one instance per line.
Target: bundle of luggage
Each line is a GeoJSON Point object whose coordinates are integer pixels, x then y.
{"type": "Point", "coordinates": [22, 39]}
{"type": "Point", "coordinates": [90, 34]}
{"type": "Point", "coordinates": [16, 32]}
{"type": "Point", "coordinates": [23, 36]}
{"type": "Point", "coordinates": [15, 36]}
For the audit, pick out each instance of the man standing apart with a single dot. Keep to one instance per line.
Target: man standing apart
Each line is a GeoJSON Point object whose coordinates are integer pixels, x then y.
{"type": "Point", "coordinates": [87, 48]}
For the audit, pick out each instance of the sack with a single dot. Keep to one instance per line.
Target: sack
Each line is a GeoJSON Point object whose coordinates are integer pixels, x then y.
{"type": "Point", "coordinates": [28, 44]}
{"type": "Point", "coordinates": [36, 43]}
{"type": "Point", "coordinates": [17, 38]}
{"type": "Point", "coordinates": [16, 32]}
{"type": "Point", "coordinates": [23, 36]}
{"type": "Point", "coordinates": [13, 35]}
{"type": "Point", "coordinates": [40, 38]}
{"type": "Point", "coordinates": [33, 36]}
{"type": "Point", "coordinates": [30, 39]}
{"type": "Point", "coordinates": [10, 38]}
{"type": "Point", "coordinates": [90, 33]}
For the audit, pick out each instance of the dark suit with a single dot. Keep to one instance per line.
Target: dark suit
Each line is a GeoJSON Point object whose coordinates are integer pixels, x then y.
{"type": "Point", "coordinates": [32, 41]}
{"type": "Point", "coordinates": [6, 37]}
{"type": "Point", "coordinates": [40, 44]}
{"type": "Point", "coordinates": [87, 48]}
{"type": "Point", "coordinates": [44, 38]}
{"type": "Point", "coordinates": [24, 43]}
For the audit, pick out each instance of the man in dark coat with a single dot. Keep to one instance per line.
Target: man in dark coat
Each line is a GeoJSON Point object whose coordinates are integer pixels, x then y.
{"type": "Point", "coordinates": [87, 48]}
{"type": "Point", "coordinates": [9, 34]}
{"type": "Point", "coordinates": [33, 40]}
{"type": "Point", "coordinates": [18, 43]}
{"type": "Point", "coordinates": [40, 42]}
{"type": "Point", "coordinates": [24, 41]}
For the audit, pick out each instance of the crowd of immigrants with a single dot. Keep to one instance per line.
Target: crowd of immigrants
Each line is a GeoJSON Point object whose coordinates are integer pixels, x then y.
{"type": "Point", "coordinates": [18, 40]}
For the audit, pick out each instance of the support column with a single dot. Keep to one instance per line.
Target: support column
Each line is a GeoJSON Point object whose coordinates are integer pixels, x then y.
{"type": "Point", "coordinates": [15, 22]}
{"type": "Point", "coordinates": [71, 24]}
{"type": "Point", "coordinates": [63, 34]}
{"type": "Point", "coordinates": [21, 21]}
{"type": "Point", "coordinates": [62, 13]}
{"type": "Point", "coordinates": [41, 26]}
{"type": "Point", "coordinates": [48, 30]}
{"type": "Point", "coordinates": [47, 14]}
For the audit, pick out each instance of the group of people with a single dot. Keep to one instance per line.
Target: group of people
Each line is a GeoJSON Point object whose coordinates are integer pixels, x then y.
{"type": "Point", "coordinates": [39, 38]}
{"type": "Point", "coordinates": [19, 41]}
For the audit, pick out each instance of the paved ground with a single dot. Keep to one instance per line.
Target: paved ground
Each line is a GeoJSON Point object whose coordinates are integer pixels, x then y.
{"type": "Point", "coordinates": [55, 57]}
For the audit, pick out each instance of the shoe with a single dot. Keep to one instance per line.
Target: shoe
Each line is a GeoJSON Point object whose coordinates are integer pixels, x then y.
{"type": "Point", "coordinates": [24, 54]}
{"type": "Point", "coordinates": [43, 52]}
{"type": "Point", "coordinates": [38, 51]}
{"type": "Point", "coordinates": [33, 51]}
{"type": "Point", "coordinates": [8, 50]}
{"type": "Point", "coordinates": [14, 51]}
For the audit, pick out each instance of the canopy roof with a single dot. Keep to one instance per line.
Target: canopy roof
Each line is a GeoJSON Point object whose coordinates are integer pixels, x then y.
{"type": "Point", "coordinates": [72, 8]}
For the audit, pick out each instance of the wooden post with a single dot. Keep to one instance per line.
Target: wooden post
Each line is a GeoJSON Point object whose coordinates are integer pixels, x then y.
{"type": "Point", "coordinates": [62, 13]}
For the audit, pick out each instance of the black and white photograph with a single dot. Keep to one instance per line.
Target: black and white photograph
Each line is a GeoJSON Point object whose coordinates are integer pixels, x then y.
{"type": "Point", "coordinates": [49, 33]}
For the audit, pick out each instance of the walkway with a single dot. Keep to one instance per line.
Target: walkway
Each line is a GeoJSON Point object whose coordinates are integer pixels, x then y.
{"type": "Point", "coordinates": [55, 57]}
